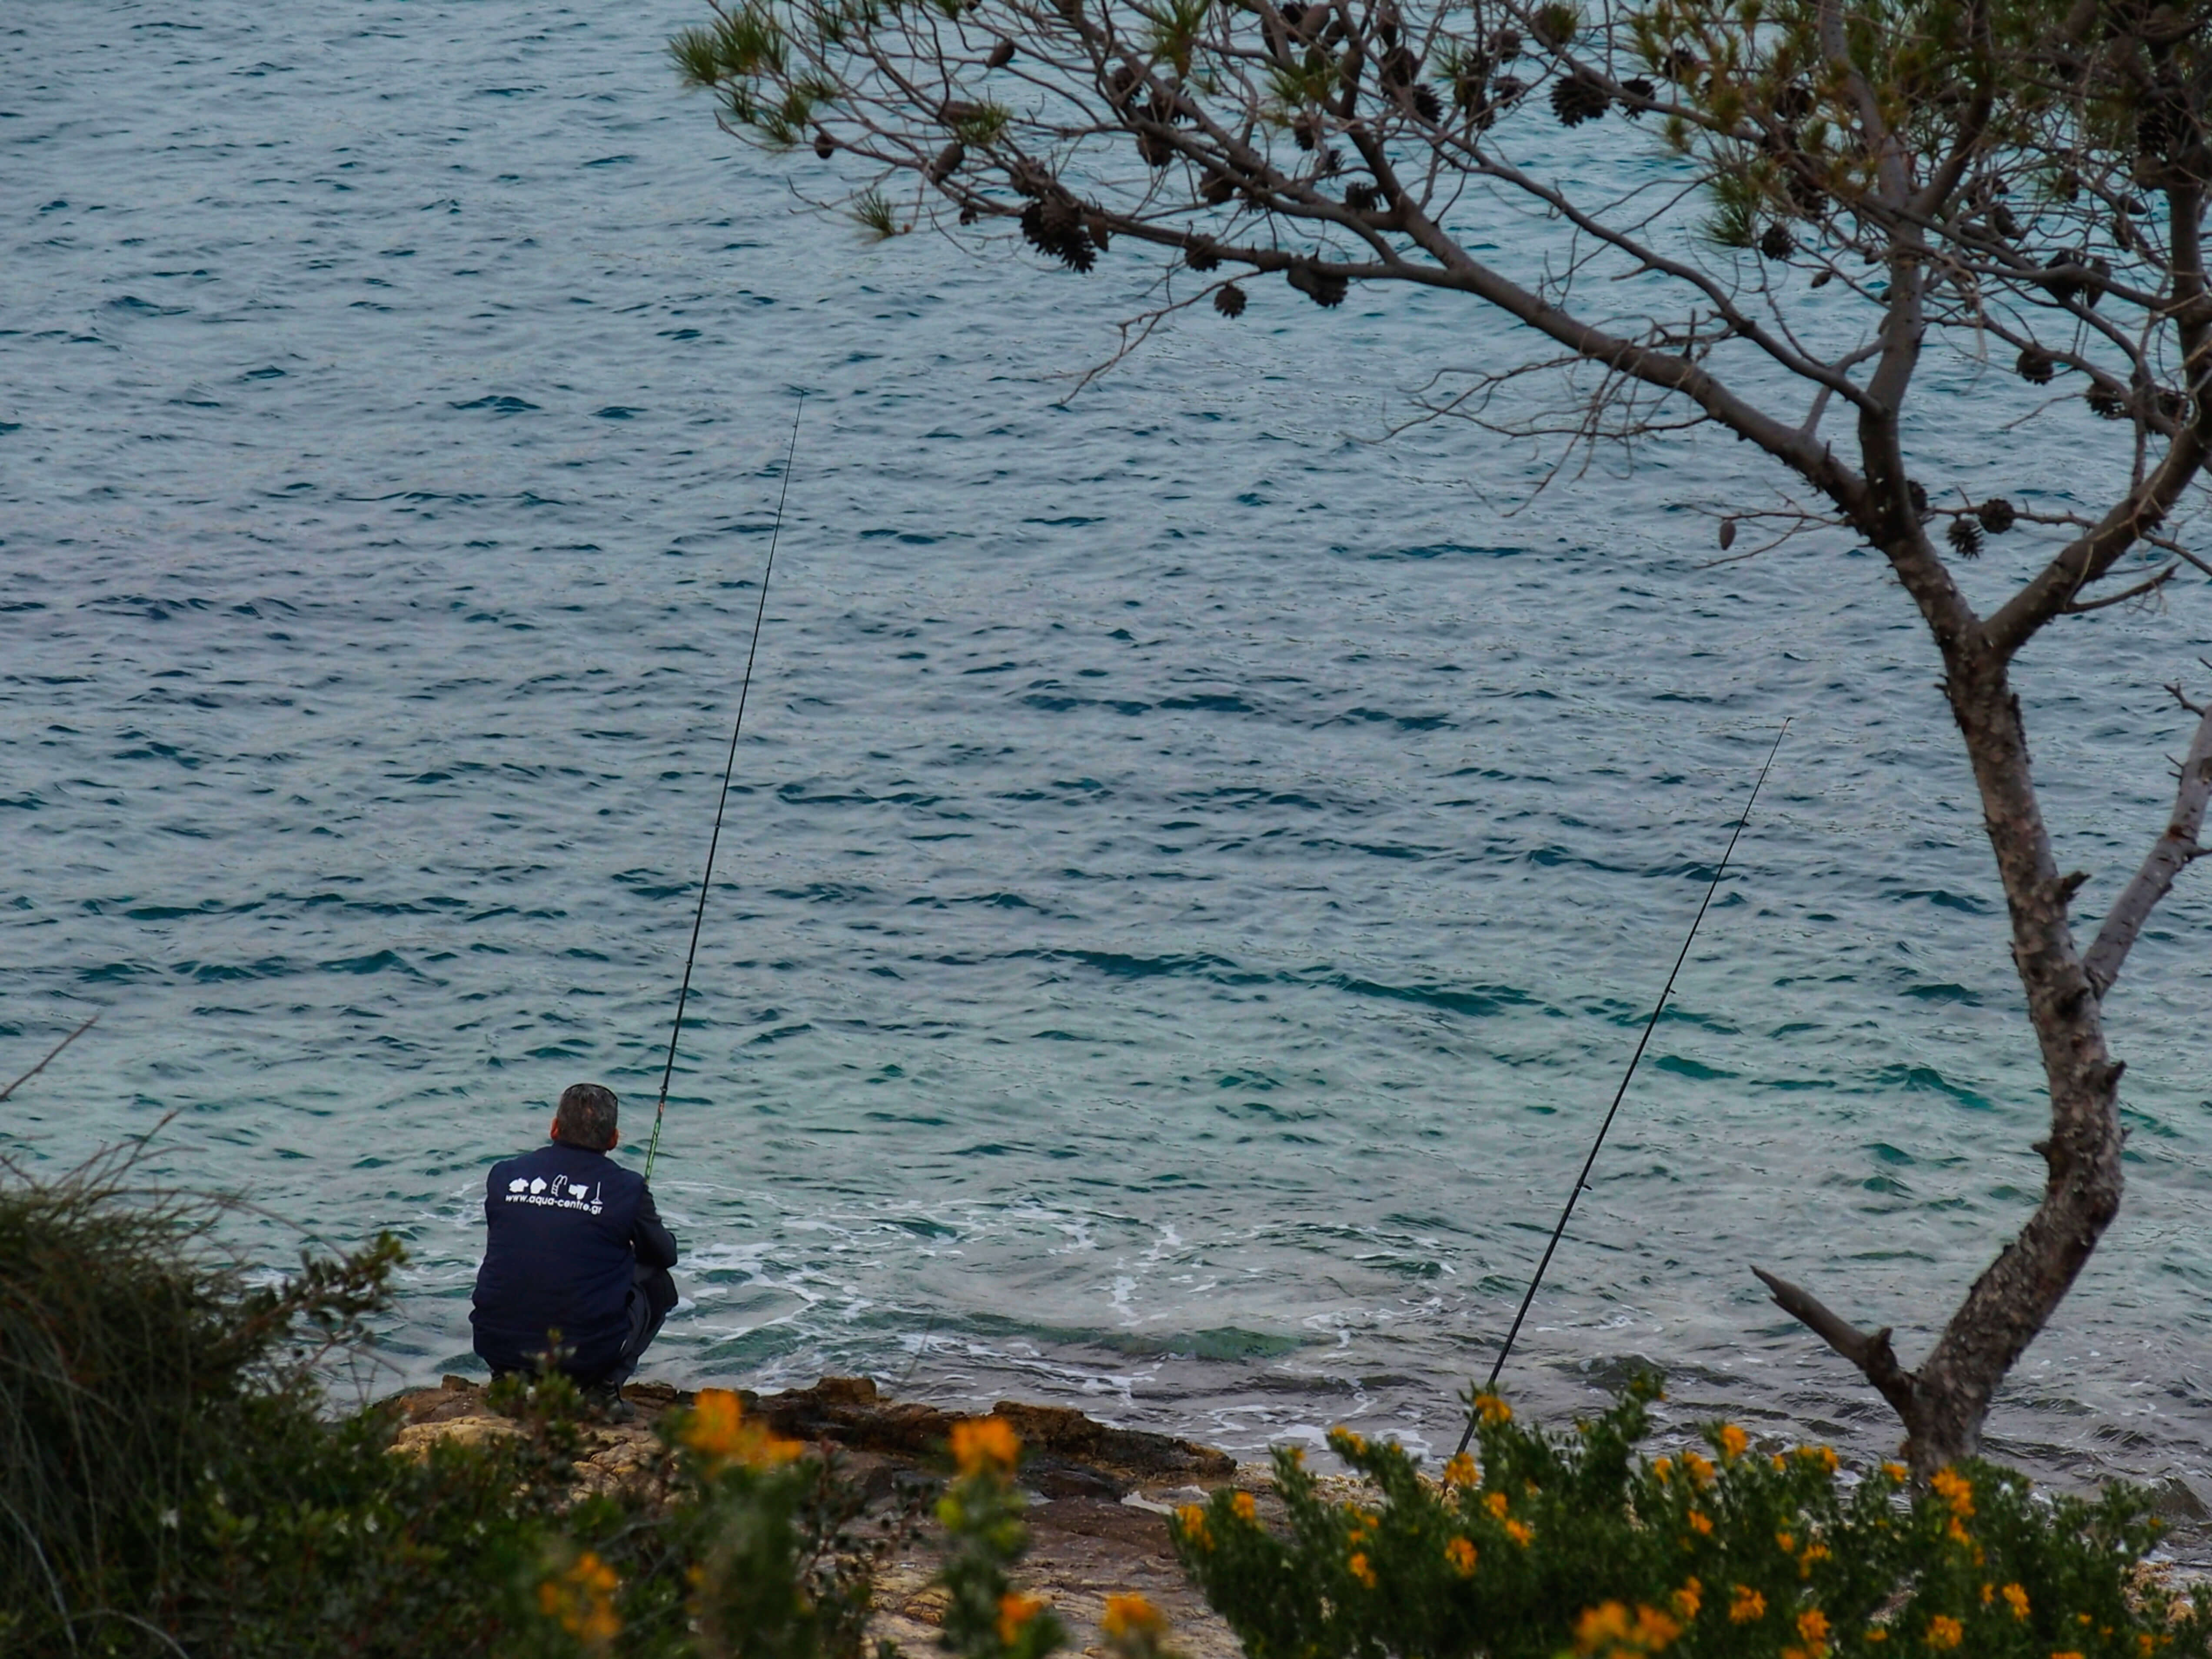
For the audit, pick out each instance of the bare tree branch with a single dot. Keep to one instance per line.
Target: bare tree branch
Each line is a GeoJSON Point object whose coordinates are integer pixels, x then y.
{"type": "Point", "coordinates": [2168, 857]}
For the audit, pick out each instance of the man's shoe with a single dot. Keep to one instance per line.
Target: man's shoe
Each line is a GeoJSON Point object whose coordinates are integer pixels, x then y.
{"type": "Point", "coordinates": [606, 1402]}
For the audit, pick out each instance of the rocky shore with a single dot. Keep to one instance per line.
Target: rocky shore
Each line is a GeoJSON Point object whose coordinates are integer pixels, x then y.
{"type": "Point", "coordinates": [1099, 1496]}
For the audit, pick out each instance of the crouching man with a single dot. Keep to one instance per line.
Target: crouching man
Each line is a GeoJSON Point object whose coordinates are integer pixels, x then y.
{"type": "Point", "coordinates": [576, 1263]}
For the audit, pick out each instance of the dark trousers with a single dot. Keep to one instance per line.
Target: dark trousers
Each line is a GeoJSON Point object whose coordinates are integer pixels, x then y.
{"type": "Point", "coordinates": [652, 1294]}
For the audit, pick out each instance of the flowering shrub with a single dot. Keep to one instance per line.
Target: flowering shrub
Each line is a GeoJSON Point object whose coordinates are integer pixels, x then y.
{"type": "Point", "coordinates": [987, 1618]}
{"type": "Point", "coordinates": [1551, 1544]}
{"type": "Point", "coordinates": [776, 1570]}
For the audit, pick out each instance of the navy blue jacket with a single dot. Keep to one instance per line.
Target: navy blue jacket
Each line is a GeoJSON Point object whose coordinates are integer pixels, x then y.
{"type": "Point", "coordinates": [567, 1229]}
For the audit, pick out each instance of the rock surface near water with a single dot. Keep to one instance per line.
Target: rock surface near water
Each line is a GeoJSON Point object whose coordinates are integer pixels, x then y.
{"type": "Point", "coordinates": [1099, 1495]}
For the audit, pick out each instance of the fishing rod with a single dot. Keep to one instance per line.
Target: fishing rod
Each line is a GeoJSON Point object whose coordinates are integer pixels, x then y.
{"type": "Point", "coordinates": [707, 881]}
{"type": "Point", "coordinates": [1582, 1181]}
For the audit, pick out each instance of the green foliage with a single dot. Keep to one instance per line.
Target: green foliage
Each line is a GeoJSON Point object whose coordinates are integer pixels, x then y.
{"type": "Point", "coordinates": [173, 1484]}
{"type": "Point", "coordinates": [780, 1571]}
{"type": "Point", "coordinates": [1551, 1543]}
{"type": "Point", "coordinates": [874, 209]}
{"type": "Point", "coordinates": [134, 1362]}
{"type": "Point", "coordinates": [980, 1512]}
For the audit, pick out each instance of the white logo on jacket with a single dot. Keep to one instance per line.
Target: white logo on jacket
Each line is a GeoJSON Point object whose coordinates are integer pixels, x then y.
{"type": "Point", "coordinates": [564, 1196]}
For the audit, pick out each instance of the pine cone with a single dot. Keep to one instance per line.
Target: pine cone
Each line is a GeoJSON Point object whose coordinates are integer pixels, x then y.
{"type": "Point", "coordinates": [1427, 105]}
{"type": "Point", "coordinates": [1775, 242]}
{"type": "Point", "coordinates": [1323, 289]}
{"type": "Point", "coordinates": [1506, 46]}
{"type": "Point", "coordinates": [1201, 255]}
{"type": "Point", "coordinates": [1554, 24]}
{"type": "Point", "coordinates": [2035, 365]}
{"type": "Point", "coordinates": [824, 145]}
{"type": "Point", "coordinates": [1965, 538]}
{"type": "Point", "coordinates": [1638, 86]}
{"type": "Point", "coordinates": [1051, 225]}
{"type": "Point", "coordinates": [1997, 515]}
{"type": "Point", "coordinates": [1001, 55]}
{"type": "Point", "coordinates": [1576, 99]}
{"type": "Point", "coordinates": [1359, 198]}
{"type": "Point", "coordinates": [2106, 405]}
{"type": "Point", "coordinates": [1229, 299]}
{"type": "Point", "coordinates": [1680, 65]}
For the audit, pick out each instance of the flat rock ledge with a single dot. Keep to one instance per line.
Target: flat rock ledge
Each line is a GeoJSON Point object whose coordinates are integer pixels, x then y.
{"type": "Point", "coordinates": [1099, 1496]}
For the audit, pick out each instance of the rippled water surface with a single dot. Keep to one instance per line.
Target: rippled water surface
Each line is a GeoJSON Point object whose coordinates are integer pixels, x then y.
{"type": "Point", "coordinates": [1196, 872]}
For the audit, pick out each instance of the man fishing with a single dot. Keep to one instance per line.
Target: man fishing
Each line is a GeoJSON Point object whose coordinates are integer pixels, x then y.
{"type": "Point", "coordinates": [576, 1264]}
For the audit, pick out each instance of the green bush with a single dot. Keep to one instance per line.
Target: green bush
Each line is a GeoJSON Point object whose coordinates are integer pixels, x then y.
{"type": "Point", "coordinates": [1555, 1543]}
{"type": "Point", "coordinates": [138, 1372]}
{"type": "Point", "coordinates": [173, 1482]}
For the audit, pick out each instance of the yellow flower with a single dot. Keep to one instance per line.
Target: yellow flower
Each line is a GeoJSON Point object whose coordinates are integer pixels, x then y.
{"type": "Point", "coordinates": [1778, 1461]}
{"type": "Point", "coordinates": [985, 1445]}
{"type": "Point", "coordinates": [1748, 1607]}
{"type": "Point", "coordinates": [1016, 1610]}
{"type": "Point", "coordinates": [1824, 1455]}
{"type": "Point", "coordinates": [1608, 1628]}
{"type": "Point", "coordinates": [1687, 1600]}
{"type": "Point", "coordinates": [1461, 1472]}
{"type": "Point", "coordinates": [1813, 1625]}
{"type": "Point", "coordinates": [1663, 1467]}
{"type": "Point", "coordinates": [1955, 1489]}
{"type": "Point", "coordinates": [2016, 1598]}
{"type": "Point", "coordinates": [1460, 1552]}
{"type": "Point", "coordinates": [1346, 1442]}
{"type": "Point", "coordinates": [1784, 1542]}
{"type": "Point", "coordinates": [1897, 1472]}
{"type": "Point", "coordinates": [1700, 1470]}
{"type": "Point", "coordinates": [1360, 1569]}
{"type": "Point", "coordinates": [1701, 1524]}
{"type": "Point", "coordinates": [1733, 1441]}
{"type": "Point", "coordinates": [1519, 1532]}
{"type": "Point", "coordinates": [1945, 1632]}
{"type": "Point", "coordinates": [1877, 1634]}
{"type": "Point", "coordinates": [2067, 1654]}
{"type": "Point", "coordinates": [1956, 1531]}
{"type": "Point", "coordinates": [1492, 1410]}
{"type": "Point", "coordinates": [1132, 1618]}
{"type": "Point", "coordinates": [1495, 1503]}
{"type": "Point", "coordinates": [1600, 1626]}
{"type": "Point", "coordinates": [1191, 1518]}
{"type": "Point", "coordinates": [1247, 1508]}
{"type": "Point", "coordinates": [582, 1599]}
{"type": "Point", "coordinates": [1813, 1553]}
{"type": "Point", "coordinates": [717, 1429]}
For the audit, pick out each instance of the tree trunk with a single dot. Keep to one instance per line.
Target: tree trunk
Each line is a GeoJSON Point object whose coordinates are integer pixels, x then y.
{"type": "Point", "coordinates": [1944, 1402]}
{"type": "Point", "coordinates": [2021, 1290]}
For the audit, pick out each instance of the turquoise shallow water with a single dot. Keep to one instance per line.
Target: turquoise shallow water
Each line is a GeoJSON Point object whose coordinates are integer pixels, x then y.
{"type": "Point", "coordinates": [1195, 872]}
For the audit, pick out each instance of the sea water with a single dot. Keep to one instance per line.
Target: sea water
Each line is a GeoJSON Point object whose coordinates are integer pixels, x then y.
{"type": "Point", "coordinates": [1197, 864]}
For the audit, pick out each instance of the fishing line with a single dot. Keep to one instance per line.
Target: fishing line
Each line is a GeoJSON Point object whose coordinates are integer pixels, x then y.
{"type": "Point", "coordinates": [707, 882]}
{"type": "Point", "coordinates": [1582, 1181]}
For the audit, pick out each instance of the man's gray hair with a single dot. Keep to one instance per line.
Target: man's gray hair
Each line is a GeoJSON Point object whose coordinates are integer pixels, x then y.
{"type": "Point", "coordinates": [586, 1117]}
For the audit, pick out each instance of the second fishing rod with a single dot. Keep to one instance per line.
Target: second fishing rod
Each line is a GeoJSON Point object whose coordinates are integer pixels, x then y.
{"type": "Point", "coordinates": [722, 800]}
{"type": "Point", "coordinates": [1582, 1180]}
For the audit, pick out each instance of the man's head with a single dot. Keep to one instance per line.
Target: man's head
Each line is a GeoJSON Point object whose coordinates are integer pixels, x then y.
{"type": "Point", "coordinates": [586, 1118]}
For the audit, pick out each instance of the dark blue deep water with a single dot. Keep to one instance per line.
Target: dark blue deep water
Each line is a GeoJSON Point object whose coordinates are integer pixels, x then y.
{"type": "Point", "coordinates": [1196, 870]}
